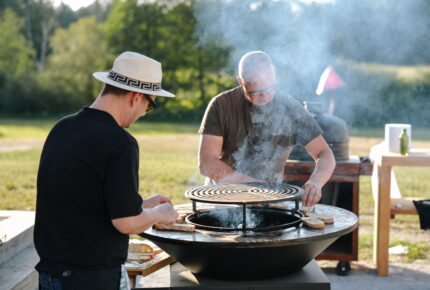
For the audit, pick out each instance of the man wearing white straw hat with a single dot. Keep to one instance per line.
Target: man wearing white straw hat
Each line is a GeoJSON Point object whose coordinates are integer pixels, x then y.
{"type": "Point", "coordinates": [87, 184]}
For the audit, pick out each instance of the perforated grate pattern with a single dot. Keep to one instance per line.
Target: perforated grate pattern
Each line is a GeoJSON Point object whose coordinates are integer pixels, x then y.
{"type": "Point", "coordinates": [250, 192]}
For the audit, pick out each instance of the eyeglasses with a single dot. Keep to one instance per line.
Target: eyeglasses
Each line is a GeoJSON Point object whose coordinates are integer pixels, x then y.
{"type": "Point", "coordinates": [152, 104]}
{"type": "Point", "coordinates": [259, 91]}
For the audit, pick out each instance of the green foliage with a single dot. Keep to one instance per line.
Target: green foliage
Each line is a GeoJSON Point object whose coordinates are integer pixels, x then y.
{"type": "Point", "coordinates": [17, 68]}
{"type": "Point", "coordinates": [77, 52]}
{"type": "Point", "coordinates": [65, 16]}
{"type": "Point", "coordinates": [165, 31]}
{"type": "Point", "coordinates": [47, 54]}
{"type": "Point", "coordinates": [15, 52]}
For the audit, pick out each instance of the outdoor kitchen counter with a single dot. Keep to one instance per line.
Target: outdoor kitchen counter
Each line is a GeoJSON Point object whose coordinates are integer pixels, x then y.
{"type": "Point", "coordinates": [381, 186]}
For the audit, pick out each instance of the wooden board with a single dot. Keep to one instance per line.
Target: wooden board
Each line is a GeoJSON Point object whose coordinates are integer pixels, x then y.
{"type": "Point", "coordinates": [403, 206]}
{"type": "Point", "coordinates": [161, 260]}
{"type": "Point", "coordinates": [346, 167]}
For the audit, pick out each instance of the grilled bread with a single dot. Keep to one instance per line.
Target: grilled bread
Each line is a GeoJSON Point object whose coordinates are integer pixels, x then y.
{"type": "Point", "coordinates": [140, 247]}
{"type": "Point", "coordinates": [278, 205]}
{"type": "Point", "coordinates": [175, 227]}
{"type": "Point", "coordinates": [313, 222]}
{"type": "Point", "coordinates": [324, 217]}
{"type": "Point", "coordinates": [306, 209]}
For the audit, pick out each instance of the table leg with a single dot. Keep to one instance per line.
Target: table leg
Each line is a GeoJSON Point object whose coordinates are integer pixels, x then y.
{"type": "Point", "coordinates": [381, 191]}
{"type": "Point", "coordinates": [132, 279]}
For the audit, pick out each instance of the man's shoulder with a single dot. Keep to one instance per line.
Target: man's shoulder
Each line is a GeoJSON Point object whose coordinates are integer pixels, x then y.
{"type": "Point", "coordinates": [95, 124]}
{"type": "Point", "coordinates": [228, 96]}
{"type": "Point", "coordinates": [288, 100]}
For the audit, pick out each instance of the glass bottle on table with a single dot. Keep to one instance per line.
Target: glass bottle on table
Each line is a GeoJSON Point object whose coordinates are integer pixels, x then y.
{"type": "Point", "coordinates": [404, 143]}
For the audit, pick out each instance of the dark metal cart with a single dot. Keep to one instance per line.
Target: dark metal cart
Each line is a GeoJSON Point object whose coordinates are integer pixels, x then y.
{"type": "Point", "coordinates": [345, 184]}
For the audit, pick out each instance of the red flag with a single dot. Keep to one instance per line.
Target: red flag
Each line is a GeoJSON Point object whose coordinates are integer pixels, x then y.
{"type": "Point", "coordinates": [329, 80]}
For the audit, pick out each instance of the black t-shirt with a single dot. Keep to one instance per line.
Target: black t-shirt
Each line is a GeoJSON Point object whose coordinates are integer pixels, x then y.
{"type": "Point", "coordinates": [258, 139]}
{"type": "Point", "coordinates": [88, 175]}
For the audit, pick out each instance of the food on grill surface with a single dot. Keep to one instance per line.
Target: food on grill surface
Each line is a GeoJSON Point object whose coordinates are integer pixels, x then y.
{"type": "Point", "coordinates": [185, 211]}
{"type": "Point", "coordinates": [181, 217]}
{"type": "Point", "coordinates": [278, 205]}
{"type": "Point", "coordinates": [175, 227]}
{"type": "Point", "coordinates": [306, 209]}
{"type": "Point", "coordinates": [324, 217]}
{"type": "Point", "coordinates": [313, 222]}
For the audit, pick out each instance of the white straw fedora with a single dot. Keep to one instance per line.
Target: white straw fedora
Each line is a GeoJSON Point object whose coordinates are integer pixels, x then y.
{"type": "Point", "coordinates": [135, 72]}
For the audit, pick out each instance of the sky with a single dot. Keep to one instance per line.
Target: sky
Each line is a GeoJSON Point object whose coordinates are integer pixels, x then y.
{"type": "Point", "coordinates": [74, 4]}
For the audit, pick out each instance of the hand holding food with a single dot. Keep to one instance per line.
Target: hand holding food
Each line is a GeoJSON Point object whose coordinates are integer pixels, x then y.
{"type": "Point", "coordinates": [155, 200]}
{"type": "Point", "coordinates": [312, 193]}
{"type": "Point", "coordinates": [166, 213]}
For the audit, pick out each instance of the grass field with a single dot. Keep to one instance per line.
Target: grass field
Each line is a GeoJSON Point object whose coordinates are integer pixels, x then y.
{"type": "Point", "coordinates": [168, 166]}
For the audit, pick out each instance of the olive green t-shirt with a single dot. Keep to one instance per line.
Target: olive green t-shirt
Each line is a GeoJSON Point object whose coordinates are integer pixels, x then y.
{"type": "Point", "coordinates": [258, 139]}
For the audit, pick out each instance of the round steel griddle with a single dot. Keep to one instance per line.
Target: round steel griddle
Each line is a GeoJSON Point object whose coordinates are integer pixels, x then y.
{"type": "Point", "coordinates": [234, 255]}
{"type": "Point", "coordinates": [244, 193]}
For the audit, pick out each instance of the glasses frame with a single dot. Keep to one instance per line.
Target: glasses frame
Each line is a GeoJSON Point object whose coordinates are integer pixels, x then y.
{"type": "Point", "coordinates": [151, 103]}
{"type": "Point", "coordinates": [252, 93]}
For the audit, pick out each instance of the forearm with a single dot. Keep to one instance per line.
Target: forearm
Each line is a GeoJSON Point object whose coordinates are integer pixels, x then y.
{"type": "Point", "coordinates": [220, 172]}
{"type": "Point", "coordinates": [324, 167]}
{"type": "Point", "coordinates": [139, 223]}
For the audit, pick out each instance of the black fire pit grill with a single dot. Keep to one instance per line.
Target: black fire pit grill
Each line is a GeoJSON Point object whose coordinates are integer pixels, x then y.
{"type": "Point", "coordinates": [245, 194]}
{"type": "Point", "coordinates": [238, 254]}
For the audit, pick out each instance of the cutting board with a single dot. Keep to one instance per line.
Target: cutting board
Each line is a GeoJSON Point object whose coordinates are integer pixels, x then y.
{"type": "Point", "coordinates": [160, 260]}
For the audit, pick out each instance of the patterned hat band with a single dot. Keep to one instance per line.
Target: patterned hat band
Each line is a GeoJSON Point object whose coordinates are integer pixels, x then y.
{"type": "Point", "coordinates": [133, 82]}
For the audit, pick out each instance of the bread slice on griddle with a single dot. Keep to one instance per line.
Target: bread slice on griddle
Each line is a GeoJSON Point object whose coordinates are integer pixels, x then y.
{"type": "Point", "coordinates": [306, 209]}
{"type": "Point", "coordinates": [313, 222]}
{"type": "Point", "coordinates": [324, 217]}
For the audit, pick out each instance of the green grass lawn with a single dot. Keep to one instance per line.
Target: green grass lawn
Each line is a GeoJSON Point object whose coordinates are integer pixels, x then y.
{"type": "Point", "coordinates": [168, 166]}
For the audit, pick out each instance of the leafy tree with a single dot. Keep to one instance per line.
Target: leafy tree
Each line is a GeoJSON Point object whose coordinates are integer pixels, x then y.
{"type": "Point", "coordinates": [65, 15]}
{"type": "Point", "coordinates": [99, 9]}
{"type": "Point", "coordinates": [135, 27]}
{"type": "Point", "coordinates": [77, 52]}
{"type": "Point", "coordinates": [184, 54]}
{"type": "Point", "coordinates": [15, 52]}
{"type": "Point", "coordinates": [39, 25]}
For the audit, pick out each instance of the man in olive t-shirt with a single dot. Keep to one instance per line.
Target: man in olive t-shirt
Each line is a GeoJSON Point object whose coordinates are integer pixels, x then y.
{"type": "Point", "coordinates": [247, 132]}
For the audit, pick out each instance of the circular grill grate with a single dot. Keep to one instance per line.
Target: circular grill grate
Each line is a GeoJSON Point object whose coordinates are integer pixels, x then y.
{"type": "Point", "coordinates": [249, 192]}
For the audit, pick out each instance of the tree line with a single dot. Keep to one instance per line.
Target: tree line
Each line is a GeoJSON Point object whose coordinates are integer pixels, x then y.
{"type": "Point", "coordinates": [48, 54]}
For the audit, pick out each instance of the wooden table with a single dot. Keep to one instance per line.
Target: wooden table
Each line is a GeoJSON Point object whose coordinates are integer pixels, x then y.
{"type": "Point", "coordinates": [133, 270]}
{"type": "Point", "coordinates": [383, 161]}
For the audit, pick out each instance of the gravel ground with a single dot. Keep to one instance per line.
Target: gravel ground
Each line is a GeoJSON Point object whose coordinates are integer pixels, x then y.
{"type": "Point", "coordinates": [362, 276]}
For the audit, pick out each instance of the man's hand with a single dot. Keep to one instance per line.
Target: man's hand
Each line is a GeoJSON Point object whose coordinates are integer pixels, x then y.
{"type": "Point", "coordinates": [155, 200]}
{"type": "Point", "coordinates": [324, 167]}
{"type": "Point", "coordinates": [312, 193]}
{"type": "Point", "coordinates": [166, 213]}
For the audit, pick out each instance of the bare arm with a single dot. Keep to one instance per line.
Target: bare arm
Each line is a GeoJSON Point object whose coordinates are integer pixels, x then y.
{"type": "Point", "coordinates": [211, 166]}
{"type": "Point", "coordinates": [324, 167]}
{"type": "Point", "coordinates": [151, 214]}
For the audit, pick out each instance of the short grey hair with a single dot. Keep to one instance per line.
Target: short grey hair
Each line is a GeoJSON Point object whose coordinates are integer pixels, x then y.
{"type": "Point", "coordinates": [254, 63]}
